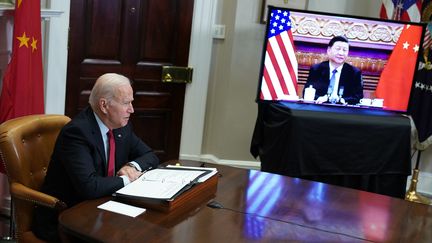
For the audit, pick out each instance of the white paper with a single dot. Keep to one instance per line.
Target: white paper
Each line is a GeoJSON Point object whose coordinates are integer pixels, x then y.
{"type": "Point", "coordinates": [160, 183]}
{"type": "Point", "coordinates": [201, 179]}
{"type": "Point", "coordinates": [122, 208]}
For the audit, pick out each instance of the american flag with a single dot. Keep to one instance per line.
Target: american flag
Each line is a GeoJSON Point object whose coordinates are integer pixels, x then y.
{"type": "Point", "coordinates": [406, 10]}
{"type": "Point", "coordinates": [280, 64]}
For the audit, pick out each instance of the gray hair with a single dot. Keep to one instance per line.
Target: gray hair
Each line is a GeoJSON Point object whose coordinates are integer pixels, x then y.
{"type": "Point", "coordinates": [105, 87]}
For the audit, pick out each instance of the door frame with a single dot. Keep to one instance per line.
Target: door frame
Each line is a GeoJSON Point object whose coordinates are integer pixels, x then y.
{"type": "Point", "coordinates": [196, 92]}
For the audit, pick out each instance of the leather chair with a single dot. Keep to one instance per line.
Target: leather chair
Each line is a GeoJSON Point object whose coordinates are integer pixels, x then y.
{"type": "Point", "coordinates": [26, 145]}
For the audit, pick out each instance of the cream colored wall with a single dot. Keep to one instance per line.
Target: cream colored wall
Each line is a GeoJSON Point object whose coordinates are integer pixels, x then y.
{"type": "Point", "coordinates": [231, 109]}
{"type": "Point", "coordinates": [349, 7]}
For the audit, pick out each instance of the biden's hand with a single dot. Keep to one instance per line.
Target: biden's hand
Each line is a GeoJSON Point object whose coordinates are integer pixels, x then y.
{"type": "Point", "coordinates": [130, 171]}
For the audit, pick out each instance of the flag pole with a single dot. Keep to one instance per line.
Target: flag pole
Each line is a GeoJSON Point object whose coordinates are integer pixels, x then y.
{"type": "Point", "coordinates": [412, 194]}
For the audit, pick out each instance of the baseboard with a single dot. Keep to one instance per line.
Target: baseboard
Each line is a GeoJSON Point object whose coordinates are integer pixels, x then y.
{"type": "Point", "coordinates": [209, 158]}
{"type": "Point", "coordinates": [423, 183]}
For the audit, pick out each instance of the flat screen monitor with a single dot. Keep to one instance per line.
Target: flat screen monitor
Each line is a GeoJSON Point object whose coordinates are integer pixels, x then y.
{"type": "Point", "coordinates": [338, 60]}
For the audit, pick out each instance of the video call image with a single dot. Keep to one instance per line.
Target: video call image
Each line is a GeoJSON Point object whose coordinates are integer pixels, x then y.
{"type": "Point", "coordinates": [338, 60]}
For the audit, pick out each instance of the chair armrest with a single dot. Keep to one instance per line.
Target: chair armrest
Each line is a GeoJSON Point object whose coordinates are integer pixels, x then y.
{"type": "Point", "coordinates": [22, 192]}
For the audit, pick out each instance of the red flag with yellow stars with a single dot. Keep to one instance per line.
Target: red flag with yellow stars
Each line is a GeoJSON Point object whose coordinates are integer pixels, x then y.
{"type": "Point", "coordinates": [22, 92]}
{"type": "Point", "coordinates": [396, 78]}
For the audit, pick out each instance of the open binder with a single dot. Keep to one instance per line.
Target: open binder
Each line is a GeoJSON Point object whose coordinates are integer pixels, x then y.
{"type": "Point", "coordinates": [163, 188]}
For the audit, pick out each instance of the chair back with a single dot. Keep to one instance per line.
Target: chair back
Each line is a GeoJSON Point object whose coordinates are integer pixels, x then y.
{"type": "Point", "coordinates": [26, 145]}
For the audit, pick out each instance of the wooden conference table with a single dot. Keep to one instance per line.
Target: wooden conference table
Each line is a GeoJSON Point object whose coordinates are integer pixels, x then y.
{"type": "Point", "coordinates": [260, 207]}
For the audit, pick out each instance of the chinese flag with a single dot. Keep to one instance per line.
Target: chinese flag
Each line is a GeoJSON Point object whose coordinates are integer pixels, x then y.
{"type": "Point", "coordinates": [395, 82]}
{"type": "Point", "coordinates": [22, 92]}
{"type": "Point", "coordinates": [22, 89]}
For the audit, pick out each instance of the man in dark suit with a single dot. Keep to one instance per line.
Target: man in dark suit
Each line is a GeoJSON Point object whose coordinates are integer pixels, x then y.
{"type": "Point", "coordinates": [79, 167]}
{"type": "Point", "coordinates": [334, 80]}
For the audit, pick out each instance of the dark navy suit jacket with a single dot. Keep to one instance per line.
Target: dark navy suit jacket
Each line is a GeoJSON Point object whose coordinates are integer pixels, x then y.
{"type": "Point", "coordinates": [77, 170]}
{"type": "Point", "coordinates": [350, 80]}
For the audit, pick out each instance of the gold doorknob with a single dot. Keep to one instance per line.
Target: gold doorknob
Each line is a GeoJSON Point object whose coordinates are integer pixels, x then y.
{"type": "Point", "coordinates": [167, 78]}
{"type": "Point", "coordinates": [173, 74]}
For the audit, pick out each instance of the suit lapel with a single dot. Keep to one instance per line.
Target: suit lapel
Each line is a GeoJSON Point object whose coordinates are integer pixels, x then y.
{"type": "Point", "coordinates": [342, 77]}
{"type": "Point", "coordinates": [97, 137]}
{"type": "Point", "coordinates": [118, 137]}
{"type": "Point", "coordinates": [326, 73]}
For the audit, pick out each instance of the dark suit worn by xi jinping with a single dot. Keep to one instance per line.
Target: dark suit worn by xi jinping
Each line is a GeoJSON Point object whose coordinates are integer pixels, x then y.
{"type": "Point", "coordinates": [78, 167]}
{"type": "Point", "coordinates": [350, 81]}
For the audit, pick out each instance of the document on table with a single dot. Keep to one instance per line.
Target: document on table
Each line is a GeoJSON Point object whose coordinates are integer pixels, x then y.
{"type": "Point", "coordinates": [212, 170]}
{"type": "Point", "coordinates": [122, 208]}
{"type": "Point", "coordinates": [162, 183]}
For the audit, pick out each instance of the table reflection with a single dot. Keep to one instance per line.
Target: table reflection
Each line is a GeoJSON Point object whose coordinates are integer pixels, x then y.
{"type": "Point", "coordinates": [264, 191]}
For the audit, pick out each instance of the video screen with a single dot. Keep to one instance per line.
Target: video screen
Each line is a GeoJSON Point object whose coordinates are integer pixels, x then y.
{"type": "Point", "coordinates": [338, 60]}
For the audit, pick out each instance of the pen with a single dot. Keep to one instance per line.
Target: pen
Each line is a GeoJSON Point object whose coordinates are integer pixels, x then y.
{"type": "Point", "coordinates": [149, 168]}
{"type": "Point", "coordinates": [144, 171]}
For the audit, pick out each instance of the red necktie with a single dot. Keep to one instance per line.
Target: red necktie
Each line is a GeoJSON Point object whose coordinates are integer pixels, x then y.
{"type": "Point", "coordinates": [111, 159]}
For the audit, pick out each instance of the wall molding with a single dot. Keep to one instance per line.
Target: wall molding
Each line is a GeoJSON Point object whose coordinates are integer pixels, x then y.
{"type": "Point", "coordinates": [209, 158]}
{"type": "Point", "coordinates": [56, 58]}
{"type": "Point", "coordinates": [200, 53]}
{"type": "Point", "coordinates": [45, 13]}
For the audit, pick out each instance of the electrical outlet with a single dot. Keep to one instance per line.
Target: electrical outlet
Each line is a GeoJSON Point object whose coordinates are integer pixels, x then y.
{"type": "Point", "coordinates": [219, 31]}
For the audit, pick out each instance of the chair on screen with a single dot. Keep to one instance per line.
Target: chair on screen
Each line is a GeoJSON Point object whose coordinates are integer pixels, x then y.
{"type": "Point", "coordinates": [26, 145]}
